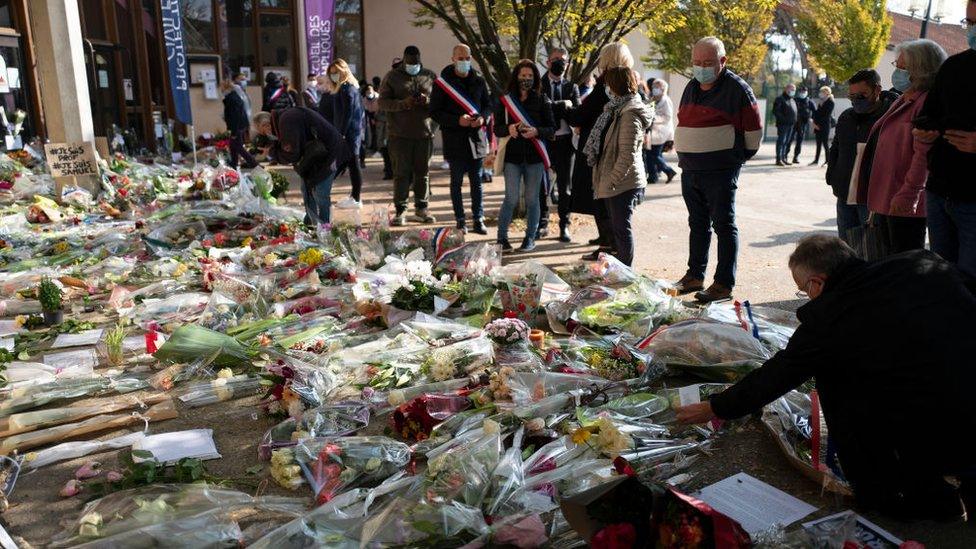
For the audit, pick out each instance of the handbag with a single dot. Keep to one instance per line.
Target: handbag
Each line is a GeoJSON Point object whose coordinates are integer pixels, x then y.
{"type": "Point", "coordinates": [870, 241]}
{"type": "Point", "coordinates": [499, 165]}
{"type": "Point", "coordinates": [314, 154]}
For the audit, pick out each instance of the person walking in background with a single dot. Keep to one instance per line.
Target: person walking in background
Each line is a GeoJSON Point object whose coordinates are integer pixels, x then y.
{"type": "Point", "coordinates": [240, 81]}
{"type": "Point", "coordinates": [616, 54]}
{"type": "Point", "coordinates": [564, 96]}
{"type": "Point", "coordinates": [235, 116]}
{"type": "Point", "coordinates": [294, 129]}
{"type": "Point", "coordinates": [461, 106]}
{"type": "Point", "coordinates": [347, 117]}
{"type": "Point", "coordinates": [895, 165]}
{"type": "Point", "coordinates": [785, 113]}
{"type": "Point", "coordinates": [614, 151]}
{"type": "Point", "coordinates": [524, 116]}
{"type": "Point", "coordinates": [661, 136]}
{"type": "Point", "coordinates": [950, 126]}
{"type": "Point", "coordinates": [405, 98]}
{"type": "Point", "coordinates": [804, 112]}
{"type": "Point", "coordinates": [870, 103]}
{"type": "Point", "coordinates": [823, 119]}
{"type": "Point", "coordinates": [371, 104]}
{"type": "Point", "coordinates": [719, 128]}
{"type": "Point", "coordinates": [310, 95]}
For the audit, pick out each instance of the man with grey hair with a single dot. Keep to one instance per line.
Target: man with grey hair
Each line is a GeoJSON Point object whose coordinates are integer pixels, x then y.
{"type": "Point", "coordinates": [890, 345]}
{"type": "Point", "coordinates": [719, 128]}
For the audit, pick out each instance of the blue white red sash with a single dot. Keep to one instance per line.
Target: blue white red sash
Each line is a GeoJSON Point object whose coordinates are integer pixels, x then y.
{"type": "Point", "coordinates": [514, 109]}
{"type": "Point", "coordinates": [462, 100]}
{"type": "Point", "coordinates": [277, 93]}
{"type": "Point", "coordinates": [441, 243]}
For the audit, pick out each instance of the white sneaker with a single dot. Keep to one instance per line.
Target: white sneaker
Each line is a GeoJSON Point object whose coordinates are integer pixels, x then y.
{"type": "Point", "coordinates": [445, 166]}
{"type": "Point", "coordinates": [348, 203]}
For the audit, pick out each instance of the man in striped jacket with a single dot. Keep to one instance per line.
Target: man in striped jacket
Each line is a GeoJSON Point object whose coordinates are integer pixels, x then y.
{"type": "Point", "coordinates": [719, 128]}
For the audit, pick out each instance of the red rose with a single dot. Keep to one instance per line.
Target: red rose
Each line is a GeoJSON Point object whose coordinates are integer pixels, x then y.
{"type": "Point", "coordinates": [615, 536]}
{"type": "Point", "coordinates": [511, 314]}
{"type": "Point", "coordinates": [622, 466]}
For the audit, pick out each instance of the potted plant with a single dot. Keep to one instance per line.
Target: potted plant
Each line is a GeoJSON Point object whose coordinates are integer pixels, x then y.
{"type": "Point", "coordinates": [49, 294]}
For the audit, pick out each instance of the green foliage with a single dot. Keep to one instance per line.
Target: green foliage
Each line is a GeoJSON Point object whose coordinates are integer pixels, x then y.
{"type": "Point", "coordinates": [49, 294]}
{"type": "Point", "coordinates": [148, 472]}
{"type": "Point", "coordinates": [417, 296]}
{"type": "Point", "coordinates": [844, 36]}
{"type": "Point", "coordinates": [741, 24]}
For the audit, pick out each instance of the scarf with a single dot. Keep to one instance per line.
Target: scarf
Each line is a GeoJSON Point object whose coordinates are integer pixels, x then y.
{"type": "Point", "coordinates": [594, 142]}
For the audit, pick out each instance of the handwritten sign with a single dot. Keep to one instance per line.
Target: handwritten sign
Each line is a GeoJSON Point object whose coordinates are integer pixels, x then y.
{"type": "Point", "coordinates": [71, 159]}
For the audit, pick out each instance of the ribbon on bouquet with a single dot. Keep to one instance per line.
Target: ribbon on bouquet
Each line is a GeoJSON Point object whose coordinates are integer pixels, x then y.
{"type": "Point", "coordinates": [514, 109]}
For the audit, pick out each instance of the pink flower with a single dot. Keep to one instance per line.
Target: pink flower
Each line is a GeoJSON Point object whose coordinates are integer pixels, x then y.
{"type": "Point", "coordinates": [88, 470]}
{"type": "Point", "coordinates": [71, 488]}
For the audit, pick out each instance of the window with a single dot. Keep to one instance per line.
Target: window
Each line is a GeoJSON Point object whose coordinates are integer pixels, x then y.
{"type": "Point", "coordinates": [198, 25]}
{"type": "Point", "coordinates": [240, 35]}
{"type": "Point", "coordinates": [277, 43]}
{"type": "Point", "coordinates": [93, 13]}
{"type": "Point", "coordinates": [349, 35]}
{"type": "Point", "coordinates": [275, 4]}
{"type": "Point", "coordinates": [6, 16]}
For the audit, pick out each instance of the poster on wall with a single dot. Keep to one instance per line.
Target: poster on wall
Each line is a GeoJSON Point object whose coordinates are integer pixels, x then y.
{"type": "Point", "coordinates": [319, 33]}
{"type": "Point", "coordinates": [127, 89]}
{"type": "Point", "coordinates": [179, 73]}
{"type": "Point", "coordinates": [4, 78]}
{"type": "Point", "coordinates": [13, 78]}
{"type": "Point", "coordinates": [210, 89]}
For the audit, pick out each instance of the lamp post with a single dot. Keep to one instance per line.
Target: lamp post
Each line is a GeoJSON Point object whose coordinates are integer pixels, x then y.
{"type": "Point", "coordinates": [925, 20]}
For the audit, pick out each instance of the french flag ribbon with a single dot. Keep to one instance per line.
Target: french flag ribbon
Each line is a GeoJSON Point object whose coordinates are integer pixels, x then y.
{"type": "Point", "coordinates": [514, 109]}
{"type": "Point", "coordinates": [752, 320]}
{"type": "Point", "coordinates": [440, 243]}
{"type": "Point", "coordinates": [457, 96]}
{"type": "Point", "coordinates": [277, 94]}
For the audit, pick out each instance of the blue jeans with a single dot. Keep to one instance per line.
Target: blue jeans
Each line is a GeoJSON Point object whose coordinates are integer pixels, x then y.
{"type": "Point", "coordinates": [952, 230]}
{"type": "Point", "coordinates": [471, 167]}
{"type": "Point", "coordinates": [655, 163]}
{"type": "Point", "coordinates": [710, 199]}
{"type": "Point", "coordinates": [318, 200]}
{"type": "Point", "coordinates": [621, 208]}
{"type": "Point", "coordinates": [521, 179]}
{"type": "Point", "coordinates": [849, 216]}
{"type": "Point", "coordinates": [784, 138]}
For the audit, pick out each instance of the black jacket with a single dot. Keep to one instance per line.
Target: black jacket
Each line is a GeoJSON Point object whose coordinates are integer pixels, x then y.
{"type": "Point", "coordinates": [891, 347]}
{"type": "Point", "coordinates": [784, 109]}
{"type": "Point", "coordinates": [584, 118]}
{"type": "Point", "coordinates": [235, 114]}
{"type": "Point", "coordinates": [852, 128]}
{"type": "Point", "coordinates": [951, 104]}
{"type": "Point", "coordinates": [519, 150]}
{"type": "Point", "coordinates": [804, 109]}
{"type": "Point", "coordinates": [296, 126]}
{"type": "Point", "coordinates": [277, 97]}
{"type": "Point", "coordinates": [459, 141]}
{"type": "Point", "coordinates": [824, 114]}
{"type": "Point", "coordinates": [565, 91]}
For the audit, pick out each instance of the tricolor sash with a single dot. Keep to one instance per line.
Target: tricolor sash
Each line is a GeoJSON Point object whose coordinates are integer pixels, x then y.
{"type": "Point", "coordinates": [515, 110]}
{"type": "Point", "coordinates": [457, 96]}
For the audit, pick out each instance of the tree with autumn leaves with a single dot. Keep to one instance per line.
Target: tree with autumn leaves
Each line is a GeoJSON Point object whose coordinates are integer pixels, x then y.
{"type": "Point", "coordinates": [843, 36]}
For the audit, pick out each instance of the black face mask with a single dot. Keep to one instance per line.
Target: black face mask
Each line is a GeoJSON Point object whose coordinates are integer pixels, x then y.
{"type": "Point", "coordinates": [558, 67]}
{"type": "Point", "coordinates": [526, 83]}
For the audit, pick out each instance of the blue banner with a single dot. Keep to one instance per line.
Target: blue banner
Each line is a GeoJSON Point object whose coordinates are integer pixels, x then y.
{"type": "Point", "coordinates": [179, 68]}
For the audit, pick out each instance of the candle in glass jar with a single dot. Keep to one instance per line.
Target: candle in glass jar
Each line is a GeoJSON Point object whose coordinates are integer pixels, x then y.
{"type": "Point", "coordinates": [537, 337]}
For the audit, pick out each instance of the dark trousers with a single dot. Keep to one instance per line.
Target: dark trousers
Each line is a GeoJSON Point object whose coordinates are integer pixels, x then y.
{"type": "Point", "coordinates": [621, 209]}
{"type": "Point", "coordinates": [655, 163]}
{"type": "Point", "coordinates": [823, 140]}
{"type": "Point", "coordinates": [849, 216]}
{"type": "Point", "coordinates": [561, 155]}
{"type": "Point", "coordinates": [471, 168]}
{"type": "Point", "coordinates": [387, 163]}
{"type": "Point", "coordinates": [902, 233]}
{"type": "Point", "coordinates": [411, 166]}
{"type": "Point", "coordinates": [799, 133]}
{"type": "Point", "coordinates": [710, 199]}
{"type": "Point", "coordinates": [355, 170]}
{"type": "Point", "coordinates": [238, 151]}
{"type": "Point", "coordinates": [784, 138]}
{"type": "Point", "coordinates": [952, 231]}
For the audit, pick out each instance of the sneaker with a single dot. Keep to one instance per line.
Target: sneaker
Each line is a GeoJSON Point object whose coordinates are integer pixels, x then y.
{"type": "Point", "coordinates": [814, 163]}
{"type": "Point", "coordinates": [399, 220]}
{"type": "Point", "coordinates": [506, 246]}
{"type": "Point", "coordinates": [349, 203]}
{"type": "Point", "coordinates": [564, 235]}
{"type": "Point", "coordinates": [479, 227]}
{"type": "Point", "coordinates": [688, 284]}
{"type": "Point", "coordinates": [595, 254]}
{"type": "Point", "coordinates": [543, 232]}
{"type": "Point", "coordinates": [715, 292]}
{"type": "Point", "coordinates": [420, 215]}
{"type": "Point", "coordinates": [527, 245]}
{"type": "Point", "coordinates": [796, 160]}
{"type": "Point", "coordinates": [445, 166]}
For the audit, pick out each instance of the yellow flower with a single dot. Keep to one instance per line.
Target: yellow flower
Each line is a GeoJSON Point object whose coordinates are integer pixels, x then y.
{"type": "Point", "coordinates": [311, 257]}
{"type": "Point", "coordinates": [270, 259]}
{"type": "Point", "coordinates": [180, 270]}
{"type": "Point", "coordinates": [247, 241]}
{"type": "Point", "coordinates": [20, 320]}
{"type": "Point", "coordinates": [581, 435]}
{"type": "Point", "coordinates": [61, 247]}
{"type": "Point", "coordinates": [225, 373]}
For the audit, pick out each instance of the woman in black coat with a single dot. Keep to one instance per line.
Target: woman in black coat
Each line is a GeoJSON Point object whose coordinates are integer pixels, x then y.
{"type": "Point", "coordinates": [823, 119]}
{"type": "Point", "coordinates": [235, 116]}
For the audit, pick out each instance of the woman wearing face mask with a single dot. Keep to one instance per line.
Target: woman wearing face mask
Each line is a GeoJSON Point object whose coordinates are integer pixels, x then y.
{"type": "Point", "coordinates": [822, 122]}
{"type": "Point", "coordinates": [524, 115]}
{"type": "Point", "coordinates": [347, 117]}
{"type": "Point", "coordinates": [894, 167]}
{"type": "Point", "coordinates": [661, 136]}
{"type": "Point", "coordinates": [613, 150]}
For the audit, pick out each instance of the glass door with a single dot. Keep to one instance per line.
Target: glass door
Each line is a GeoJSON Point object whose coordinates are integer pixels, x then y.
{"type": "Point", "coordinates": [102, 78]}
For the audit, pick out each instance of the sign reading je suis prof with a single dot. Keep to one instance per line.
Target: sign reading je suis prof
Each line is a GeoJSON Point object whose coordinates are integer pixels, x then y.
{"type": "Point", "coordinates": [71, 159]}
{"type": "Point", "coordinates": [179, 67]}
{"type": "Point", "coordinates": [319, 34]}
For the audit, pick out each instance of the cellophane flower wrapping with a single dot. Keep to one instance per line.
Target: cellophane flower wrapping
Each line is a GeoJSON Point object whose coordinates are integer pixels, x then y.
{"type": "Point", "coordinates": [329, 420]}
{"type": "Point", "coordinates": [774, 327]}
{"type": "Point", "coordinates": [710, 350]}
{"type": "Point", "coordinates": [635, 310]}
{"type": "Point", "coordinates": [333, 465]}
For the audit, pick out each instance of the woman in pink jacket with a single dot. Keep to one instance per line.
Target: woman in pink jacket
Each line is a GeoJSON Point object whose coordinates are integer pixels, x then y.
{"type": "Point", "coordinates": [895, 165]}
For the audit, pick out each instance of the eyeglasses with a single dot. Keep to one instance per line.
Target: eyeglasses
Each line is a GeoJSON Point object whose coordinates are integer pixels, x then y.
{"type": "Point", "coordinates": [802, 295]}
{"type": "Point", "coordinates": [967, 22]}
{"type": "Point", "coordinates": [857, 96]}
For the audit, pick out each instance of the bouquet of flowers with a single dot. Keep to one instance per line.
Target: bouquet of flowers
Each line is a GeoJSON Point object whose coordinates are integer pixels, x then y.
{"type": "Point", "coordinates": [330, 420]}
{"type": "Point", "coordinates": [414, 420]}
{"type": "Point", "coordinates": [334, 465]}
{"type": "Point", "coordinates": [508, 331]}
{"type": "Point", "coordinates": [710, 350]}
{"type": "Point", "coordinates": [613, 360]}
{"type": "Point", "coordinates": [460, 359]}
{"type": "Point", "coordinates": [463, 473]}
{"type": "Point", "coordinates": [635, 309]}
{"type": "Point", "coordinates": [681, 521]}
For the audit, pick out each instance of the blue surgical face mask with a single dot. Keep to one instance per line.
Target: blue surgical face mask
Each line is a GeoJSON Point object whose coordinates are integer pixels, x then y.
{"type": "Point", "coordinates": [971, 36]}
{"type": "Point", "coordinates": [463, 67]}
{"type": "Point", "coordinates": [790, 93]}
{"type": "Point", "coordinates": [607, 90]}
{"type": "Point", "coordinates": [412, 70]}
{"type": "Point", "coordinates": [802, 95]}
{"type": "Point", "coordinates": [901, 80]}
{"type": "Point", "coordinates": [704, 75]}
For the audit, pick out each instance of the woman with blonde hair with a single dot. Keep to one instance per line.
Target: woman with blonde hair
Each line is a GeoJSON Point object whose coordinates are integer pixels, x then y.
{"type": "Point", "coordinates": [347, 116]}
{"type": "Point", "coordinates": [823, 120]}
{"type": "Point", "coordinates": [613, 55]}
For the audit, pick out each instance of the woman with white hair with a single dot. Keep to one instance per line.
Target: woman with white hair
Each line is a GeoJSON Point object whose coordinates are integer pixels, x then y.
{"type": "Point", "coordinates": [661, 135]}
{"type": "Point", "coordinates": [613, 55]}
{"type": "Point", "coordinates": [894, 168]}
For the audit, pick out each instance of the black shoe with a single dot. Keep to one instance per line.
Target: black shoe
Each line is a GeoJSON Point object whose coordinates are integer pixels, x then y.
{"type": "Point", "coordinates": [564, 235]}
{"type": "Point", "coordinates": [593, 241]}
{"type": "Point", "coordinates": [527, 245]}
{"type": "Point", "coordinates": [462, 226]}
{"type": "Point", "coordinates": [543, 232]}
{"type": "Point", "coordinates": [554, 197]}
{"type": "Point", "coordinates": [780, 163]}
{"type": "Point", "coordinates": [796, 160]}
{"type": "Point", "coordinates": [506, 246]}
{"type": "Point", "coordinates": [671, 175]}
{"type": "Point", "coordinates": [479, 227]}
{"type": "Point", "coordinates": [387, 176]}
{"type": "Point", "coordinates": [595, 254]}
{"type": "Point", "coordinates": [654, 181]}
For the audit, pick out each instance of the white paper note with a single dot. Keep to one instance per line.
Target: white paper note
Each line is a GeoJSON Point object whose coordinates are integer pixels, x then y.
{"type": "Point", "coordinates": [753, 503]}
{"type": "Point", "coordinates": [81, 339]}
{"type": "Point", "coordinates": [689, 395]}
{"type": "Point", "coordinates": [67, 359]}
{"type": "Point", "coordinates": [7, 343]}
{"type": "Point", "coordinates": [171, 447]}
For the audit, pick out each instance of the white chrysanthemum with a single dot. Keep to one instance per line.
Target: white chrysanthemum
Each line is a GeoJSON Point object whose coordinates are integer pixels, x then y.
{"type": "Point", "coordinates": [442, 369]}
{"type": "Point", "coordinates": [610, 440]}
{"type": "Point", "coordinates": [491, 427]}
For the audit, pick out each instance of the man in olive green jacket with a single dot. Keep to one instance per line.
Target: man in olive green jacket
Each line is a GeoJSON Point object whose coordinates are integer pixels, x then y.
{"type": "Point", "coordinates": [405, 98]}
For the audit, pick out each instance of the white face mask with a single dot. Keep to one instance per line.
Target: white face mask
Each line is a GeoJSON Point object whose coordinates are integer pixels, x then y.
{"type": "Point", "coordinates": [334, 77]}
{"type": "Point", "coordinates": [657, 92]}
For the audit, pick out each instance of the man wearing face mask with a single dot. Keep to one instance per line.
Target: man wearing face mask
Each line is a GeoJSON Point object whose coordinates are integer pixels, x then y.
{"type": "Point", "coordinates": [883, 341]}
{"type": "Point", "coordinates": [461, 106]}
{"type": "Point", "coordinates": [804, 111]}
{"type": "Point", "coordinates": [785, 112]}
{"type": "Point", "coordinates": [719, 128]}
{"type": "Point", "coordinates": [870, 103]}
{"type": "Point", "coordinates": [565, 96]}
{"type": "Point", "coordinates": [405, 98]}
